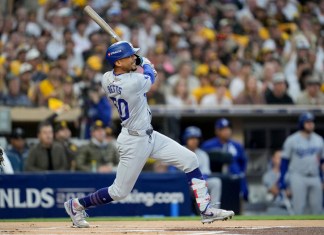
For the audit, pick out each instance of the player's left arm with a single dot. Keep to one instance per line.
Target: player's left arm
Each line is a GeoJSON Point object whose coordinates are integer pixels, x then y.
{"type": "Point", "coordinates": [148, 67]}
{"type": "Point", "coordinates": [148, 71]}
{"type": "Point", "coordinates": [146, 79]}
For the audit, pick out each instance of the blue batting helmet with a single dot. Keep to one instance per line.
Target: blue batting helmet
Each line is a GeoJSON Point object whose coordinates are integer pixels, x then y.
{"type": "Point", "coordinates": [222, 123]}
{"type": "Point", "coordinates": [305, 117]}
{"type": "Point", "coordinates": [191, 132]}
{"type": "Point", "coordinates": [120, 50]}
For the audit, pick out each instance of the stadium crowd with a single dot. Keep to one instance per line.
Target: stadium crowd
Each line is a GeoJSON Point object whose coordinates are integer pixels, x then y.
{"type": "Point", "coordinates": [208, 53]}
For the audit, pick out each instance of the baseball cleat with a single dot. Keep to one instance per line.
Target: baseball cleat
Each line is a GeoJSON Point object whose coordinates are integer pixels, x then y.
{"type": "Point", "coordinates": [77, 213]}
{"type": "Point", "coordinates": [212, 214]}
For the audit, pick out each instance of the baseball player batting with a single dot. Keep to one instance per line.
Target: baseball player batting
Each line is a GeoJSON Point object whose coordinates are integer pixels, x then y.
{"type": "Point", "coordinates": [137, 140]}
{"type": "Point", "coordinates": [303, 153]}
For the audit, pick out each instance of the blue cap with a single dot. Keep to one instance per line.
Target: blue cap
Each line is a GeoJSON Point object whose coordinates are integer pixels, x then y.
{"type": "Point", "coordinates": [222, 123]}
{"type": "Point", "coordinates": [305, 117]}
{"type": "Point", "coordinates": [191, 132]}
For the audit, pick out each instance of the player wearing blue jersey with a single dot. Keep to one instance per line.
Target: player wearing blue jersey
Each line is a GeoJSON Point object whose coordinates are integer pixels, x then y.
{"type": "Point", "coordinates": [137, 140]}
{"type": "Point", "coordinates": [302, 156]}
{"type": "Point", "coordinates": [223, 142]}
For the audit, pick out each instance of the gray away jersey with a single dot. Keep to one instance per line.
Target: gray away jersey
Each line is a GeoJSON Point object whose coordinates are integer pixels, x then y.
{"type": "Point", "coordinates": [304, 153]}
{"type": "Point", "coordinates": [128, 93]}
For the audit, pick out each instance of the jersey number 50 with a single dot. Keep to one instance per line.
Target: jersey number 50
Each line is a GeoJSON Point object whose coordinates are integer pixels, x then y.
{"type": "Point", "coordinates": [122, 107]}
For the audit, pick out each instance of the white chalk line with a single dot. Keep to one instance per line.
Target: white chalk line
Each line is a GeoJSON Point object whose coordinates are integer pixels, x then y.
{"type": "Point", "coordinates": [213, 232]}
{"type": "Point", "coordinates": [262, 227]}
{"type": "Point", "coordinates": [53, 228]}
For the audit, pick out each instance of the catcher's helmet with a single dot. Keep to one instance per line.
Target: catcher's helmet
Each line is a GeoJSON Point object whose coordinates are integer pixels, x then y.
{"type": "Point", "coordinates": [120, 50]}
{"type": "Point", "coordinates": [305, 117]}
{"type": "Point", "coordinates": [191, 132]}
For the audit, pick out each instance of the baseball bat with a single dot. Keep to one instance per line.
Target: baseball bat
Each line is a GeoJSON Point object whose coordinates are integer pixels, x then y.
{"type": "Point", "coordinates": [103, 24]}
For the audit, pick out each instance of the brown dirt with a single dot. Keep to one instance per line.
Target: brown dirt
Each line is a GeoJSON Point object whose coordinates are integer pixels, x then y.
{"type": "Point", "coordinates": [287, 227]}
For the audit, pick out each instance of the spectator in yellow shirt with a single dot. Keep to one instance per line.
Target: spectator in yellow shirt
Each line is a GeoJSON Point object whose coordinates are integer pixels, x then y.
{"type": "Point", "coordinates": [205, 86]}
{"type": "Point", "coordinates": [50, 87]}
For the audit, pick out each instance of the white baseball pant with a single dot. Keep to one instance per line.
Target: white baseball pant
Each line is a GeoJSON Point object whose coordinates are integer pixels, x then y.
{"type": "Point", "coordinates": [306, 191]}
{"type": "Point", "coordinates": [135, 150]}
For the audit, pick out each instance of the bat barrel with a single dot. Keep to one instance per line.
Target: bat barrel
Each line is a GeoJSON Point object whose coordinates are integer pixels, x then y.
{"type": "Point", "coordinates": [103, 24]}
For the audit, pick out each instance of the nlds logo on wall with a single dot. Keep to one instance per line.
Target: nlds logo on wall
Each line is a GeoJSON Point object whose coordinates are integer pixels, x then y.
{"type": "Point", "coordinates": [34, 198]}
{"type": "Point", "coordinates": [29, 198]}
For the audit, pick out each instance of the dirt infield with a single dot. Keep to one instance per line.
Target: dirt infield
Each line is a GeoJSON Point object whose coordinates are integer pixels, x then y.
{"type": "Point", "coordinates": [265, 227]}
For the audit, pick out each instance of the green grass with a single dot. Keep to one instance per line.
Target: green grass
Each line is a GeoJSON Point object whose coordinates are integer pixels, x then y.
{"type": "Point", "coordinates": [182, 218]}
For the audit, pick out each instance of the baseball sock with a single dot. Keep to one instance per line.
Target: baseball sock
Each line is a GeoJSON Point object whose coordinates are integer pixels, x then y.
{"type": "Point", "coordinates": [196, 173]}
{"type": "Point", "coordinates": [99, 197]}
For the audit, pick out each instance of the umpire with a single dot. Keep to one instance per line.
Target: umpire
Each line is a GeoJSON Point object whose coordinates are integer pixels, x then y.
{"type": "Point", "coordinates": [303, 154]}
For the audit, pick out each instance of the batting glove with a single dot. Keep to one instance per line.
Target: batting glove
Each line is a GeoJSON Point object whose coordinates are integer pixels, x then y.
{"type": "Point", "coordinates": [141, 61]}
{"type": "Point", "coordinates": [146, 61]}
{"type": "Point", "coordinates": [138, 60]}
